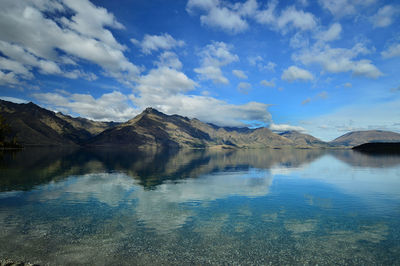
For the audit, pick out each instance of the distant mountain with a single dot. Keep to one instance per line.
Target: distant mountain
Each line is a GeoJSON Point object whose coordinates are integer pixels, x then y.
{"type": "Point", "coordinates": [360, 137]}
{"type": "Point", "coordinates": [34, 125]}
{"type": "Point", "coordinates": [155, 129]}
{"type": "Point", "coordinates": [303, 140]}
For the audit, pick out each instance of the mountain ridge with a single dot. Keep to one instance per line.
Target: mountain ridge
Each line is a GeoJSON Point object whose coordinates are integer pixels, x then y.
{"type": "Point", "coordinates": [38, 126]}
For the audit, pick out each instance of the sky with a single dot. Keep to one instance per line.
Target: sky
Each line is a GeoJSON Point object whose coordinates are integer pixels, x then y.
{"type": "Point", "coordinates": [322, 67]}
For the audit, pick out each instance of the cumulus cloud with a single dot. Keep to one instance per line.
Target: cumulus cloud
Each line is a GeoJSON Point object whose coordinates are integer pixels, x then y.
{"type": "Point", "coordinates": [239, 74]}
{"type": "Point", "coordinates": [340, 8]}
{"type": "Point", "coordinates": [152, 43]}
{"type": "Point", "coordinates": [385, 16]}
{"type": "Point", "coordinates": [288, 18]}
{"type": "Point", "coordinates": [233, 18]}
{"type": "Point", "coordinates": [112, 106]}
{"type": "Point", "coordinates": [69, 31]}
{"type": "Point", "coordinates": [161, 82]}
{"type": "Point", "coordinates": [218, 14]}
{"type": "Point", "coordinates": [331, 34]}
{"type": "Point", "coordinates": [168, 59]}
{"type": "Point", "coordinates": [392, 51]}
{"type": "Point", "coordinates": [279, 128]}
{"type": "Point", "coordinates": [267, 83]}
{"type": "Point", "coordinates": [258, 61]}
{"type": "Point", "coordinates": [337, 60]}
{"type": "Point", "coordinates": [8, 79]}
{"type": "Point", "coordinates": [213, 57]}
{"type": "Point", "coordinates": [294, 73]}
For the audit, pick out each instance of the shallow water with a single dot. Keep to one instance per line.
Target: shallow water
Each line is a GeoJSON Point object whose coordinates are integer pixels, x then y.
{"type": "Point", "coordinates": [102, 207]}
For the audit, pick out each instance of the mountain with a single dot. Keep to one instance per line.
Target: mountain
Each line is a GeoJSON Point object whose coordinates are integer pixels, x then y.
{"type": "Point", "coordinates": [34, 125]}
{"type": "Point", "coordinates": [360, 137]}
{"type": "Point", "coordinates": [155, 129]}
{"type": "Point", "coordinates": [303, 140]}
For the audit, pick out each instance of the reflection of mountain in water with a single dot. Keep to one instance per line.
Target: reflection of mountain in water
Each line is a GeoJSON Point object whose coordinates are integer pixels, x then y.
{"type": "Point", "coordinates": [26, 169]}
{"type": "Point", "coordinates": [357, 159]}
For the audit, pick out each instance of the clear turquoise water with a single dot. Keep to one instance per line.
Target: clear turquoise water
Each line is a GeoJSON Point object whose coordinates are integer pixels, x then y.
{"type": "Point", "coordinates": [279, 207]}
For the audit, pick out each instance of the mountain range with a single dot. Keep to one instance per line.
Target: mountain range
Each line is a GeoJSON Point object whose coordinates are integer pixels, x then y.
{"type": "Point", "coordinates": [37, 126]}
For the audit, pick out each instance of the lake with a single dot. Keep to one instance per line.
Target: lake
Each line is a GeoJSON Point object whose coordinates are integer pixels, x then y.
{"type": "Point", "coordinates": [268, 206]}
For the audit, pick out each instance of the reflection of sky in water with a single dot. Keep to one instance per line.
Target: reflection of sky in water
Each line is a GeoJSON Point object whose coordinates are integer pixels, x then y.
{"type": "Point", "coordinates": [332, 208]}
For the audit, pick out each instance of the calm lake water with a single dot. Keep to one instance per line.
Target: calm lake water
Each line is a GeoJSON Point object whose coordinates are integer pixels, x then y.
{"type": "Point", "coordinates": [280, 207]}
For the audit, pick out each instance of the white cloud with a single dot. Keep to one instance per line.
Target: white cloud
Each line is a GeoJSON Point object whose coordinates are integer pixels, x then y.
{"type": "Point", "coordinates": [291, 17]}
{"type": "Point", "coordinates": [74, 31]}
{"type": "Point", "coordinates": [285, 127]}
{"type": "Point", "coordinates": [258, 61]}
{"type": "Point", "coordinates": [219, 14]}
{"type": "Point", "coordinates": [294, 73]}
{"type": "Point", "coordinates": [331, 34]}
{"type": "Point", "coordinates": [152, 43]}
{"type": "Point", "coordinates": [212, 73]}
{"type": "Point", "coordinates": [161, 82]}
{"type": "Point", "coordinates": [239, 74]}
{"type": "Point", "coordinates": [168, 59]}
{"type": "Point", "coordinates": [267, 83]}
{"type": "Point", "coordinates": [287, 19]}
{"type": "Point", "coordinates": [392, 51]}
{"type": "Point", "coordinates": [365, 68]}
{"type": "Point", "coordinates": [340, 8]}
{"type": "Point", "coordinates": [385, 16]}
{"type": "Point", "coordinates": [244, 87]}
{"type": "Point", "coordinates": [112, 106]}
{"type": "Point", "coordinates": [213, 57]}
{"type": "Point", "coordinates": [233, 18]}
{"type": "Point", "coordinates": [336, 60]}
{"type": "Point", "coordinates": [225, 19]}
{"type": "Point", "coordinates": [9, 78]}
{"type": "Point", "coordinates": [89, 20]}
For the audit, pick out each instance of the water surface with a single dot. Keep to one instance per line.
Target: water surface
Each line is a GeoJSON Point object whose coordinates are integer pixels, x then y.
{"type": "Point", "coordinates": [102, 207]}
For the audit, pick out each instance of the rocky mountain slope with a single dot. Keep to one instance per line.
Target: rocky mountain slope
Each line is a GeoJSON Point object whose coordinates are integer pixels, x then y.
{"type": "Point", "coordinates": [34, 125]}
{"type": "Point", "coordinates": [155, 129]}
{"type": "Point", "coordinates": [303, 140]}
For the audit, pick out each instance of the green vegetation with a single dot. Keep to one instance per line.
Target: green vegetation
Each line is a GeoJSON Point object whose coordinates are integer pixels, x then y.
{"type": "Point", "coordinates": [7, 139]}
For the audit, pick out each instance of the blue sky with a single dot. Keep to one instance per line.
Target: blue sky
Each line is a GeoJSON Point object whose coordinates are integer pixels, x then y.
{"type": "Point", "coordinates": [322, 67]}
